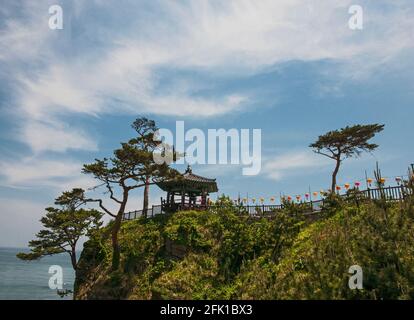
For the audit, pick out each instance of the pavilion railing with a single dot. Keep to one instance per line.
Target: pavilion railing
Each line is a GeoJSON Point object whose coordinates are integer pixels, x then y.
{"type": "Point", "coordinates": [395, 193]}
{"type": "Point", "coordinates": [151, 212]}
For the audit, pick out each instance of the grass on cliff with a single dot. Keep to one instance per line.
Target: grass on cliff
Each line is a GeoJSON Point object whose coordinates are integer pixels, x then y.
{"type": "Point", "coordinates": [233, 256]}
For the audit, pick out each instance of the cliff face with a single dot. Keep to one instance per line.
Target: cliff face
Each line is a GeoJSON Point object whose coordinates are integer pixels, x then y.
{"type": "Point", "coordinates": [142, 246]}
{"type": "Point", "coordinates": [222, 255]}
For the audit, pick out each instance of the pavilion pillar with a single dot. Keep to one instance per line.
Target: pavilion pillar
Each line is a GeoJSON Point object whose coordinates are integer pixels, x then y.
{"type": "Point", "coordinates": [203, 198]}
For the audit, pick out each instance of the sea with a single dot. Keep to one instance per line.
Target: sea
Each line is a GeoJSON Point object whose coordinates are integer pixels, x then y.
{"type": "Point", "coordinates": [29, 280]}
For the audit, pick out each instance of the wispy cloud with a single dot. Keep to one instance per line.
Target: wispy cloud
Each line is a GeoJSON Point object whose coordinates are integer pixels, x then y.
{"type": "Point", "coordinates": [292, 163]}
{"type": "Point", "coordinates": [235, 36]}
{"type": "Point", "coordinates": [56, 137]}
{"type": "Point", "coordinates": [35, 172]}
{"type": "Point", "coordinates": [120, 71]}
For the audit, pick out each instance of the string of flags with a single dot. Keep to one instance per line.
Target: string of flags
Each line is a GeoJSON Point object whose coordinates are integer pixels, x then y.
{"type": "Point", "coordinates": [316, 195]}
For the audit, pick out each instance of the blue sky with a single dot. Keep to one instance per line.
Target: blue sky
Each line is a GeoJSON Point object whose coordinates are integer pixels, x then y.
{"type": "Point", "coordinates": [290, 68]}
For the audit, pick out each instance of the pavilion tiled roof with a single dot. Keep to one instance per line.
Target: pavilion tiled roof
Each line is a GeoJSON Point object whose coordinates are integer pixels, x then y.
{"type": "Point", "coordinates": [193, 177]}
{"type": "Point", "coordinates": [190, 180]}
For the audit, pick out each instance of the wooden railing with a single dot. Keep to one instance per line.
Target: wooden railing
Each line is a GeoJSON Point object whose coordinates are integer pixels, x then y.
{"type": "Point", "coordinates": [388, 193]}
{"type": "Point", "coordinates": [395, 193]}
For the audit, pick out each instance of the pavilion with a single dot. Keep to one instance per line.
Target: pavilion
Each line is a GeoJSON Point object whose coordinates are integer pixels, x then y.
{"type": "Point", "coordinates": [190, 191]}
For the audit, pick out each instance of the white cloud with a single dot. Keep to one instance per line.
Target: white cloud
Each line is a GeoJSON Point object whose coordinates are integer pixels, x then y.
{"type": "Point", "coordinates": [275, 167]}
{"type": "Point", "coordinates": [228, 37]}
{"type": "Point", "coordinates": [58, 90]}
{"type": "Point", "coordinates": [35, 172]}
{"type": "Point", "coordinates": [24, 39]}
{"type": "Point", "coordinates": [253, 34]}
{"type": "Point", "coordinates": [292, 163]}
{"type": "Point", "coordinates": [55, 137]}
{"type": "Point", "coordinates": [233, 36]}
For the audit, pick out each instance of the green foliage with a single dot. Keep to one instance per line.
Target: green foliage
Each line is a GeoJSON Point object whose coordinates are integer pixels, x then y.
{"type": "Point", "coordinates": [316, 265]}
{"type": "Point", "coordinates": [132, 166]}
{"type": "Point", "coordinates": [145, 130]}
{"type": "Point", "coordinates": [346, 143]}
{"type": "Point", "coordinates": [189, 228]}
{"type": "Point", "coordinates": [62, 229]}
{"type": "Point", "coordinates": [219, 242]}
{"type": "Point", "coordinates": [234, 256]}
{"type": "Point", "coordinates": [195, 277]}
{"type": "Point", "coordinates": [141, 243]}
{"type": "Point", "coordinates": [225, 202]}
{"type": "Point", "coordinates": [295, 209]}
{"type": "Point", "coordinates": [332, 203]}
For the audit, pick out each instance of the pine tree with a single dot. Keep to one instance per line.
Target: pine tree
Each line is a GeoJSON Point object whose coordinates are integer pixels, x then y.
{"type": "Point", "coordinates": [346, 143]}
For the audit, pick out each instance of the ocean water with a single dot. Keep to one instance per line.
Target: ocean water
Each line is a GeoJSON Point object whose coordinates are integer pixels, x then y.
{"type": "Point", "coordinates": [29, 280]}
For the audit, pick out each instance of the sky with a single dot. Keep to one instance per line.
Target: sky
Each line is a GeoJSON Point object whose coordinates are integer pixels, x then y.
{"type": "Point", "coordinates": [293, 69]}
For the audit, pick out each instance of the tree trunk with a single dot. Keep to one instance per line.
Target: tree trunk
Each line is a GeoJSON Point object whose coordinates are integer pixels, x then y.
{"type": "Point", "coordinates": [115, 245]}
{"type": "Point", "coordinates": [73, 258]}
{"type": "Point", "coordinates": [116, 254]}
{"type": "Point", "coordinates": [334, 174]}
{"type": "Point", "coordinates": [146, 197]}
